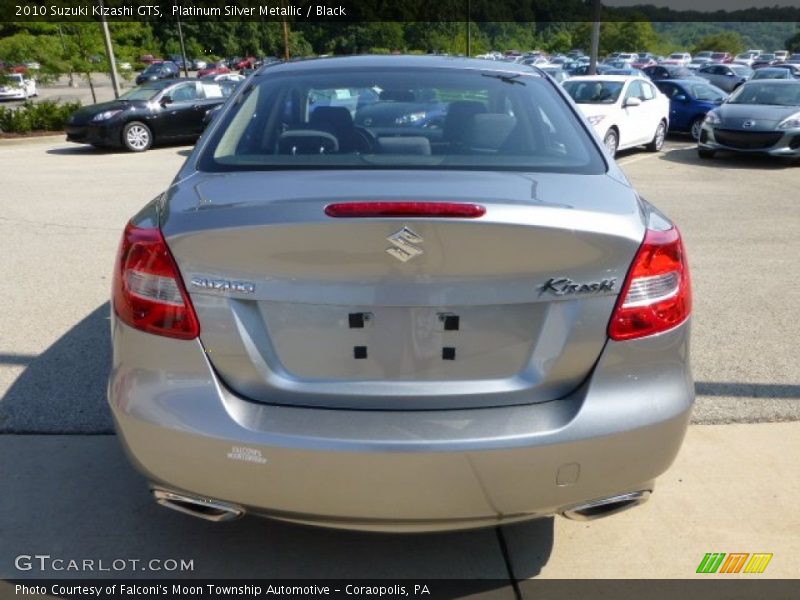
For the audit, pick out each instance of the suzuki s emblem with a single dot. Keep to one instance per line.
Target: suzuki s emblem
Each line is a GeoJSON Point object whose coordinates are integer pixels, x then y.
{"type": "Point", "coordinates": [748, 124]}
{"type": "Point", "coordinates": [404, 245]}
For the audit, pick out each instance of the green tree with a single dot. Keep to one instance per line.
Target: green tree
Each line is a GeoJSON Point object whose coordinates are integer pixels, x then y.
{"type": "Point", "coordinates": [793, 43]}
{"type": "Point", "coordinates": [723, 41]}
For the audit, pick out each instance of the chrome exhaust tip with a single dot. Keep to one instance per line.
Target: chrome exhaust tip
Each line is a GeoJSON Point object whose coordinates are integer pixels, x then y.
{"type": "Point", "coordinates": [606, 507]}
{"type": "Point", "coordinates": [197, 506]}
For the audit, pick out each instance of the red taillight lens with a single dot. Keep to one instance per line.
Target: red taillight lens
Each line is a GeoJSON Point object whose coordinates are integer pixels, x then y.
{"type": "Point", "coordinates": [657, 293]}
{"type": "Point", "coordinates": [405, 209]}
{"type": "Point", "coordinates": [148, 293]}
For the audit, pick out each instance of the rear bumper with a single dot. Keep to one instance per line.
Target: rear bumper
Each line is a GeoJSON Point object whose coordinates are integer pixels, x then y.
{"type": "Point", "coordinates": [401, 470]}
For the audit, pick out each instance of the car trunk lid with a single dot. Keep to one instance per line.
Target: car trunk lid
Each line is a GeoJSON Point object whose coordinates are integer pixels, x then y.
{"type": "Point", "coordinates": [404, 312]}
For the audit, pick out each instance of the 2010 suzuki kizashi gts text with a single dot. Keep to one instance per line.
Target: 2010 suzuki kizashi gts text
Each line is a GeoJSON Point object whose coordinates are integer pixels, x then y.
{"type": "Point", "coordinates": [400, 294]}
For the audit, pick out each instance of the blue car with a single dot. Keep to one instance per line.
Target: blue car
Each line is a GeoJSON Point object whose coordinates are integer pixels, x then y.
{"type": "Point", "coordinates": [689, 101]}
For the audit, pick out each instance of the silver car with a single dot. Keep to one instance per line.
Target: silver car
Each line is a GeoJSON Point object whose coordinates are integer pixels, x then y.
{"type": "Point", "coordinates": [461, 317]}
{"type": "Point", "coordinates": [725, 77]}
{"type": "Point", "coordinates": [762, 117]}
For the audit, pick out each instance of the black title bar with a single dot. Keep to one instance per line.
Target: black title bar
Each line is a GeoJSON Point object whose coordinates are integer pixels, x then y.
{"type": "Point", "coordinates": [540, 11]}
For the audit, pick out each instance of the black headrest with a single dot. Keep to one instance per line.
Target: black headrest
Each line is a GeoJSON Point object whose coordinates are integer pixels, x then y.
{"type": "Point", "coordinates": [458, 115]}
{"type": "Point", "coordinates": [397, 96]}
{"type": "Point", "coordinates": [306, 141]}
{"type": "Point", "coordinates": [489, 131]}
{"type": "Point", "coordinates": [331, 118]}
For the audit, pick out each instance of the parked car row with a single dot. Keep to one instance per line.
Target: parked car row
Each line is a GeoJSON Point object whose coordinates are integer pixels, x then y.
{"type": "Point", "coordinates": [627, 107]}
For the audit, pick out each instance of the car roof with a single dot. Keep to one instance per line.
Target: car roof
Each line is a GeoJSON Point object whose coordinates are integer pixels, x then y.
{"type": "Point", "coordinates": [334, 63]}
{"type": "Point", "coordinates": [163, 83]}
{"type": "Point", "coordinates": [698, 81]}
{"type": "Point", "coordinates": [773, 81]}
{"type": "Point", "coordinates": [619, 78]}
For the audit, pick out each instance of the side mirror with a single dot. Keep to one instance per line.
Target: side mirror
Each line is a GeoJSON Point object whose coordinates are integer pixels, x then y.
{"type": "Point", "coordinates": [680, 98]}
{"type": "Point", "coordinates": [211, 114]}
{"type": "Point", "coordinates": [166, 100]}
{"type": "Point", "coordinates": [632, 102]}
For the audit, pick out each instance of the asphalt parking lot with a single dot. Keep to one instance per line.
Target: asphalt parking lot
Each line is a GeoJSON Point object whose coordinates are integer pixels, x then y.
{"type": "Point", "coordinates": [62, 210]}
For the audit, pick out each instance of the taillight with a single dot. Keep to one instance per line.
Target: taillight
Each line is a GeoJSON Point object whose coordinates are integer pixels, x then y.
{"type": "Point", "coordinates": [405, 209]}
{"type": "Point", "coordinates": [657, 294]}
{"type": "Point", "coordinates": [148, 293]}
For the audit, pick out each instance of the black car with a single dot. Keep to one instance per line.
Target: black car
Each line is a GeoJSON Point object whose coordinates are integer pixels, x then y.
{"type": "Point", "coordinates": [661, 72]}
{"type": "Point", "coordinates": [181, 61]}
{"type": "Point", "coordinates": [156, 71]}
{"type": "Point", "coordinates": [160, 111]}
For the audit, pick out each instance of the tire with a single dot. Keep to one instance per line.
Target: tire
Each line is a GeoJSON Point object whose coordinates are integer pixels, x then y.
{"type": "Point", "coordinates": [611, 142]}
{"type": "Point", "coordinates": [137, 137]}
{"type": "Point", "coordinates": [658, 139]}
{"type": "Point", "coordinates": [704, 153]}
{"type": "Point", "coordinates": [695, 128]}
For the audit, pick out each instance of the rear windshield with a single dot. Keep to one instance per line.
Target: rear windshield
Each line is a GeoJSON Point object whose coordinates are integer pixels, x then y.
{"type": "Point", "coordinates": [401, 118]}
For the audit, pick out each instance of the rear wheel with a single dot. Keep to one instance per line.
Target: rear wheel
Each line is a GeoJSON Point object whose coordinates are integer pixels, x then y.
{"type": "Point", "coordinates": [611, 141]}
{"type": "Point", "coordinates": [696, 127]}
{"type": "Point", "coordinates": [705, 153]}
{"type": "Point", "coordinates": [136, 136]}
{"type": "Point", "coordinates": [658, 138]}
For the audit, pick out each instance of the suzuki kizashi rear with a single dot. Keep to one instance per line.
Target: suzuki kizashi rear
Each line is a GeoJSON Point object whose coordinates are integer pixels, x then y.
{"type": "Point", "coordinates": [427, 322]}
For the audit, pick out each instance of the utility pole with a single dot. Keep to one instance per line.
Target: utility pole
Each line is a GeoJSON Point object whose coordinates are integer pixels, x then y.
{"type": "Point", "coordinates": [469, 30]}
{"type": "Point", "coordinates": [183, 48]}
{"type": "Point", "coordinates": [595, 51]}
{"type": "Point", "coordinates": [109, 52]}
{"type": "Point", "coordinates": [285, 34]}
{"type": "Point", "coordinates": [285, 39]}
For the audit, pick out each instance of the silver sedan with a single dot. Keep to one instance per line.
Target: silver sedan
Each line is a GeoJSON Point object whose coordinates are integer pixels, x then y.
{"type": "Point", "coordinates": [458, 315]}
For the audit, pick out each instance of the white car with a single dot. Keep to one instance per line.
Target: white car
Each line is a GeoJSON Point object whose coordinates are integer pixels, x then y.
{"type": "Point", "coordinates": [745, 58]}
{"type": "Point", "coordinates": [624, 111]}
{"type": "Point", "coordinates": [14, 86]}
{"type": "Point", "coordinates": [225, 77]}
{"type": "Point", "coordinates": [679, 58]}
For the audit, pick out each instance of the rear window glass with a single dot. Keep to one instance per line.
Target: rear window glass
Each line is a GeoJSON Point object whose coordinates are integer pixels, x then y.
{"type": "Point", "coordinates": [401, 118]}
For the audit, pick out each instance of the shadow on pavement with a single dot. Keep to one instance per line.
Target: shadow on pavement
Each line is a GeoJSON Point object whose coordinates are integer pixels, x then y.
{"type": "Point", "coordinates": [63, 390]}
{"type": "Point", "coordinates": [86, 149]}
{"type": "Point", "coordinates": [727, 160]}
{"type": "Point", "coordinates": [81, 149]}
{"type": "Point", "coordinates": [77, 497]}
